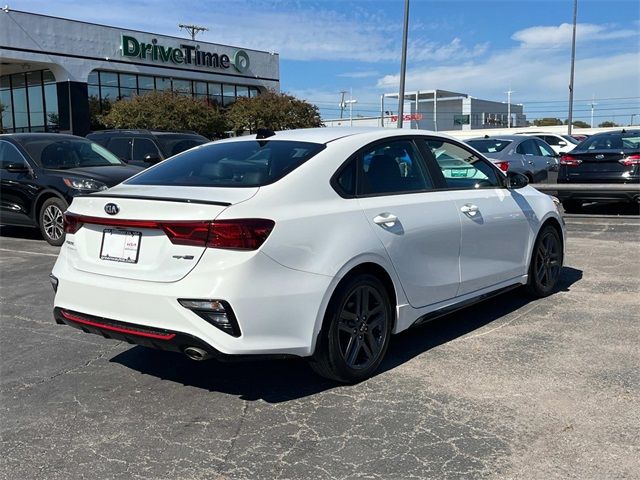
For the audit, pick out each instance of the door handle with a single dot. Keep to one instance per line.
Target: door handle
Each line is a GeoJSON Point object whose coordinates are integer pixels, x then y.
{"type": "Point", "coordinates": [530, 162]}
{"type": "Point", "coordinates": [386, 219]}
{"type": "Point", "coordinates": [470, 209]}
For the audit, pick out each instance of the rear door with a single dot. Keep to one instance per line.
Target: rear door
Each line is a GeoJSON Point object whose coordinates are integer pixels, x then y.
{"type": "Point", "coordinates": [418, 225]}
{"type": "Point", "coordinates": [533, 159]}
{"type": "Point", "coordinates": [495, 231]}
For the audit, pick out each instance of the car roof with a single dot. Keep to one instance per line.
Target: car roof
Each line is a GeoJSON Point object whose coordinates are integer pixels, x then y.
{"type": "Point", "coordinates": [325, 135]}
{"type": "Point", "coordinates": [624, 131]}
{"type": "Point", "coordinates": [28, 136]}
{"type": "Point", "coordinates": [510, 138]}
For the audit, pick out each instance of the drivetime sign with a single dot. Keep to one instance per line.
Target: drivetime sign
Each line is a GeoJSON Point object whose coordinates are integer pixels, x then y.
{"type": "Point", "coordinates": [185, 54]}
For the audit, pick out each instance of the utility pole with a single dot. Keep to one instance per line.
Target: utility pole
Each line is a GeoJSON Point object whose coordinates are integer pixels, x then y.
{"type": "Point", "coordinates": [509, 107]}
{"type": "Point", "coordinates": [342, 105]}
{"type": "Point", "coordinates": [193, 29]}
{"type": "Point", "coordinates": [593, 104]}
{"type": "Point", "coordinates": [573, 65]}
{"type": "Point", "coordinates": [403, 63]}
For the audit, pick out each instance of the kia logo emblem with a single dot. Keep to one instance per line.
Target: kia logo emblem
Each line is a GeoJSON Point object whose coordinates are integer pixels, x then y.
{"type": "Point", "coordinates": [111, 208]}
{"type": "Point", "coordinates": [600, 157]}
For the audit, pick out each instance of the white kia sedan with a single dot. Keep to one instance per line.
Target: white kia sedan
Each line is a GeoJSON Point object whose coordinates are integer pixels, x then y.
{"type": "Point", "coordinates": [316, 243]}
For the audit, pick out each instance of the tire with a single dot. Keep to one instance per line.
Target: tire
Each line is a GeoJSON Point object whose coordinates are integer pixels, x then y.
{"type": "Point", "coordinates": [356, 330]}
{"type": "Point", "coordinates": [572, 206]}
{"type": "Point", "coordinates": [50, 220]}
{"type": "Point", "coordinates": [546, 263]}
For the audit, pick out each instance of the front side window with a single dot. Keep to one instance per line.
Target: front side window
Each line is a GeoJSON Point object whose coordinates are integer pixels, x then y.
{"type": "Point", "coordinates": [9, 155]}
{"type": "Point", "coordinates": [545, 149]}
{"type": "Point", "coordinates": [230, 164]}
{"type": "Point", "coordinates": [393, 167]}
{"type": "Point", "coordinates": [460, 168]}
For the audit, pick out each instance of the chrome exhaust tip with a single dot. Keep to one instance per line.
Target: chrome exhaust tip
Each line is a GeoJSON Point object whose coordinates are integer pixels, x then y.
{"type": "Point", "coordinates": [197, 354]}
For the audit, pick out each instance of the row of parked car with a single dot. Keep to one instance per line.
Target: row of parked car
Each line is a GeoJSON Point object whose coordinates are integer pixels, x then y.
{"type": "Point", "coordinates": [42, 172]}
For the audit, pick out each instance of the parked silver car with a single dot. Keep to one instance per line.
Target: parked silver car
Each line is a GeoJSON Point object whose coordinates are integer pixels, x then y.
{"type": "Point", "coordinates": [518, 153]}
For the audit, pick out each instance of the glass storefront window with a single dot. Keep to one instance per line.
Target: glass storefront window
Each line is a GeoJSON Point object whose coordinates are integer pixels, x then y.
{"type": "Point", "coordinates": [7, 113]}
{"type": "Point", "coordinates": [36, 104]}
{"type": "Point", "coordinates": [145, 82]}
{"type": "Point", "coordinates": [108, 95]}
{"type": "Point", "coordinates": [51, 105]}
{"type": "Point", "coordinates": [242, 91]}
{"type": "Point", "coordinates": [182, 86]}
{"type": "Point", "coordinates": [109, 79]}
{"type": "Point", "coordinates": [47, 77]}
{"type": "Point", "coordinates": [200, 88]}
{"type": "Point", "coordinates": [163, 83]}
{"type": "Point", "coordinates": [20, 110]}
{"type": "Point", "coordinates": [93, 78]}
{"type": "Point", "coordinates": [128, 80]}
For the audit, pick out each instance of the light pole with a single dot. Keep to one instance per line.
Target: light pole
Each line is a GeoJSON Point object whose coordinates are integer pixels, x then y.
{"type": "Point", "coordinates": [350, 102]}
{"type": "Point", "coordinates": [403, 63]}
{"type": "Point", "coordinates": [573, 64]}
{"type": "Point", "coordinates": [509, 107]}
{"type": "Point", "coordinates": [593, 104]}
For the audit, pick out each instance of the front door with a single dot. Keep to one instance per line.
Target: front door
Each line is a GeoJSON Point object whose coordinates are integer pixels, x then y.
{"type": "Point", "coordinates": [18, 189]}
{"type": "Point", "coordinates": [494, 220]}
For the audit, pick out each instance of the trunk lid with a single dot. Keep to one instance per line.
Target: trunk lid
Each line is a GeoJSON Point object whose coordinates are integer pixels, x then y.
{"type": "Point", "coordinates": [599, 161]}
{"type": "Point", "coordinates": [134, 243]}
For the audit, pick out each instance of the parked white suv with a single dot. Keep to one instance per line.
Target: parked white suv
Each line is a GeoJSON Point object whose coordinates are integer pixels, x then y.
{"type": "Point", "coordinates": [317, 243]}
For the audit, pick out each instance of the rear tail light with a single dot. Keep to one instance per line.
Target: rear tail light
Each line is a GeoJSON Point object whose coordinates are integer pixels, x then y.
{"type": "Point", "coordinates": [570, 161]}
{"type": "Point", "coordinates": [241, 234]}
{"type": "Point", "coordinates": [71, 223]}
{"type": "Point", "coordinates": [630, 160]}
{"type": "Point", "coordinates": [504, 166]}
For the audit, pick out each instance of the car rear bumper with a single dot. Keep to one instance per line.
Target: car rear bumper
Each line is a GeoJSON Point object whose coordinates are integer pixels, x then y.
{"type": "Point", "coordinates": [276, 308]}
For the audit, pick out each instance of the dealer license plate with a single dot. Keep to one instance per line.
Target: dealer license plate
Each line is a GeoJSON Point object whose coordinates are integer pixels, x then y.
{"type": "Point", "coordinates": [120, 246]}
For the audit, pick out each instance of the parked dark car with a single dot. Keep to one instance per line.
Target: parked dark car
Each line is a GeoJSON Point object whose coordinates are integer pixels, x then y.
{"type": "Point", "coordinates": [146, 147]}
{"type": "Point", "coordinates": [608, 157]}
{"type": "Point", "coordinates": [527, 155]}
{"type": "Point", "coordinates": [40, 174]}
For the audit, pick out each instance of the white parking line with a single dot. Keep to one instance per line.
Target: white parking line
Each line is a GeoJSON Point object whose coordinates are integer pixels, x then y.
{"type": "Point", "coordinates": [29, 253]}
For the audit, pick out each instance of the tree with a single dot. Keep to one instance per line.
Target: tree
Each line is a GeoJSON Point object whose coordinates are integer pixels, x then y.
{"type": "Point", "coordinates": [580, 124]}
{"type": "Point", "coordinates": [276, 111]}
{"type": "Point", "coordinates": [163, 110]}
{"type": "Point", "coordinates": [547, 121]}
{"type": "Point", "coordinates": [608, 123]}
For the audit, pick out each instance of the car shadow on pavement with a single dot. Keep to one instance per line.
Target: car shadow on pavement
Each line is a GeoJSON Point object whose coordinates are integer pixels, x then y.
{"type": "Point", "coordinates": [20, 232]}
{"type": "Point", "coordinates": [276, 381]}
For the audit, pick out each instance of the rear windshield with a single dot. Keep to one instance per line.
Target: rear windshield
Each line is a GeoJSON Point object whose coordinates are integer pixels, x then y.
{"type": "Point", "coordinates": [570, 139]}
{"type": "Point", "coordinates": [612, 141]}
{"type": "Point", "coordinates": [230, 164]}
{"type": "Point", "coordinates": [489, 145]}
{"type": "Point", "coordinates": [64, 153]}
{"type": "Point", "coordinates": [174, 144]}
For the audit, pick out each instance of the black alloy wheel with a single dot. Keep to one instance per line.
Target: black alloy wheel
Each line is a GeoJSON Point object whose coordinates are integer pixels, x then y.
{"type": "Point", "coordinates": [357, 336]}
{"type": "Point", "coordinates": [572, 206]}
{"type": "Point", "coordinates": [546, 263]}
{"type": "Point", "coordinates": [51, 221]}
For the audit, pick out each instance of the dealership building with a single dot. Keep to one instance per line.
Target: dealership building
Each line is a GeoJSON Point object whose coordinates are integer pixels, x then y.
{"type": "Point", "coordinates": [441, 110]}
{"type": "Point", "coordinates": [54, 71]}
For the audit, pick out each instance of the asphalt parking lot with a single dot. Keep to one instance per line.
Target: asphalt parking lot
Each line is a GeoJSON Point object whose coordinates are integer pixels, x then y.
{"type": "Point", "coordinates": [507, 389]}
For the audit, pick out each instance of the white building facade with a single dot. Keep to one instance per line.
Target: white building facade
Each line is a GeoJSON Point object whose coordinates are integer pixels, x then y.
{"type": "Point", "coordinates": [52, 68]}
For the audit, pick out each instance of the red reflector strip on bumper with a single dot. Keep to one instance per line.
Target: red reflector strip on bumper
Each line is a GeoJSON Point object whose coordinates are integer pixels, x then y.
{"type": "Point", "coordinates": [157, 336]}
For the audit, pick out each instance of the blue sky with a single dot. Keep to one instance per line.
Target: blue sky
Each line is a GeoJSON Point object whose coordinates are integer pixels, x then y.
{"type": "Point", "coordinates": [482, 48]}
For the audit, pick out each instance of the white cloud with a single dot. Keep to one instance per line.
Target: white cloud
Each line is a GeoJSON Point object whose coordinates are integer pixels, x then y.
{"type": "Point", "coordinates": [361, 74]}
{"type": "Point", "coordinates": [556, 35]}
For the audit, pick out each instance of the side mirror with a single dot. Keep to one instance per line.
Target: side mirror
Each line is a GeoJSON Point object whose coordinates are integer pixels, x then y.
{"type": "Point", "coordinates": [516, 180]}
{"type": "Point", "coordinates": [17, 168]}
{"type": "Point", "coordinates": [152, 159]}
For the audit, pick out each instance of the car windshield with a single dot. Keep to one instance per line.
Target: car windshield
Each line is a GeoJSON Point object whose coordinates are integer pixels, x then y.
{"type": "Point", "coordinates": [612, 141]}
{"type": "Point", "coordinates": [230, 164]}
{"type": "Point", "coordinates": [65, 153]}
{"type": "Point", "coordinates": [489, 145]}
{"type": "Point", "coordinates": [174, 144]}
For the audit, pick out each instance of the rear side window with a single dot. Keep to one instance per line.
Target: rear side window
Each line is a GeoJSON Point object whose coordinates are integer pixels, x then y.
{"type": "Point", "coordinates": [175, 144]}
{"type": "Point", "coordinates": [230, 164]}
{"type": "Point", "coordinates": [489, 145]}
{"type": "Point", "coordinates": [393, 167]}
{"type": "Point", "coordinates": [143, 148]}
